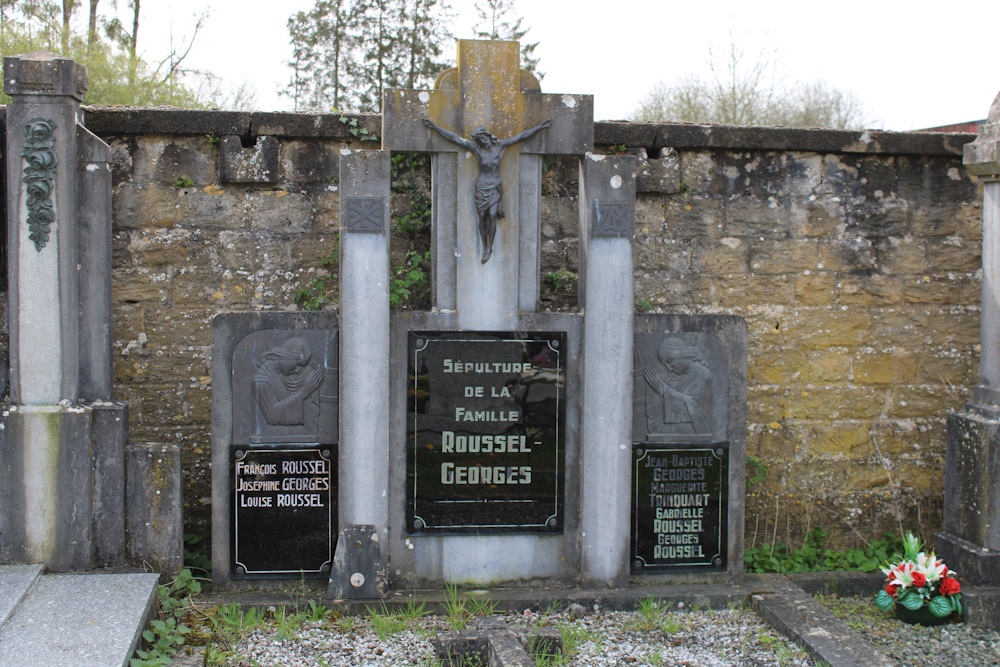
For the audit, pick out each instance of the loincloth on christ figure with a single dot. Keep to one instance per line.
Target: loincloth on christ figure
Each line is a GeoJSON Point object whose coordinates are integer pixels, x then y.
{"type": "Point", "coordinates": [488, 194]}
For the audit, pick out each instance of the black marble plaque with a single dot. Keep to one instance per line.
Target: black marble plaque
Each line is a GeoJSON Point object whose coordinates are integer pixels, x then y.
{"type": "Point", "coordinates": [680, 507]}
{"type": "Point", "coordinates": [485, 422]}
{"type": "Point", "coordinates": [284, 508]}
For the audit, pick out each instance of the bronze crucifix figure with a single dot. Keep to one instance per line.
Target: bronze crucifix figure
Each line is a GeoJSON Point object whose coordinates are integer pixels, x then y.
{"type": "Point", "coordinates": [489, 189]}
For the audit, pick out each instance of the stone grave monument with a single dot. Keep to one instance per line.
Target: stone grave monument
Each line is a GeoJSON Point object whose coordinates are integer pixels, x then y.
{"type": "Point", "coordinates": [970, 539]}
{"type": "Point", "coordinates": [64, 456]}
{"type": "Point", "coordinates": [484, 441]}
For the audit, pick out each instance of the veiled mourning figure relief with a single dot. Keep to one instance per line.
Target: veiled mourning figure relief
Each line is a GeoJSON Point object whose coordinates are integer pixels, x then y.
{"type": "Point", "coordinates": [676, 391]}
{"type": "Point", "coordinates": [285, 388]}
{"type": "Point", "coordinates": [282, 383]}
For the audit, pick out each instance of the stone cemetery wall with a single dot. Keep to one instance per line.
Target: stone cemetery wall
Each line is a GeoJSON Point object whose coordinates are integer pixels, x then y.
{"type": "Point", "coordinates": [854, 258]}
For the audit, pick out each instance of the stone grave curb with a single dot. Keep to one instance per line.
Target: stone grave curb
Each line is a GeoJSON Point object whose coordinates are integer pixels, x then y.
{"type": "Point", "coordinates": [793, 612]}
{"type": "Point", "coordinates": [784, 602]}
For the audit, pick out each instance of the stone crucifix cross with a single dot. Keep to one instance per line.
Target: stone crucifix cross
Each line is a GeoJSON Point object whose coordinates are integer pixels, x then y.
{"type": "Point", "coordinates": [489, 186]}
{"type": "Point", "coordinates": [487, 90]}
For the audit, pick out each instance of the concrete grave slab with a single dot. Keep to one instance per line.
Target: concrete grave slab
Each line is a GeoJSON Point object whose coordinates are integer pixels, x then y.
{"type": "Point", "coordinates": [15, 582]}
{"type": "Point", "coordinates": [79, 620]}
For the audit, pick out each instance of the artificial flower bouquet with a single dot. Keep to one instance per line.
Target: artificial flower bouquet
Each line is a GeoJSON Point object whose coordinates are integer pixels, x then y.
{"type": "Point", "coordinates": [918, 580]}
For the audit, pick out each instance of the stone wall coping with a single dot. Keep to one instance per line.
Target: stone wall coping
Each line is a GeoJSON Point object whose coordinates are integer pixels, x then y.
{"type": "Point", "coordinates": [116, 121]}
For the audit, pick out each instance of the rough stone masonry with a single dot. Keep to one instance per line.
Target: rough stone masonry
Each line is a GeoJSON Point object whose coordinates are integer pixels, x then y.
{"type": "Point", "coordinates": [854, 257]}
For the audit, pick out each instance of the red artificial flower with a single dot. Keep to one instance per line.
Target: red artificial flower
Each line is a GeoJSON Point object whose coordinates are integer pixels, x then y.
{"type": "Point", "coordinates": [919, 580]}
{"type": "Point", "coordinates": [891, 589]}
{"type": "Point", "coordinates": [949, 586]}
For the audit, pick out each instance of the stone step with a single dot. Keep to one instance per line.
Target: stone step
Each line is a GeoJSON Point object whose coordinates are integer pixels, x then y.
{"type": "Point", "coordinates": [15, 582]}
{"type": "Point", "coordinates": [78, 620]}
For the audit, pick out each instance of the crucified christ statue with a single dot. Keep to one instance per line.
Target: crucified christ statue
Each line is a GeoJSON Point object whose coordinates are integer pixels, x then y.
{"type": "Point", "coordinates": [489, 189]}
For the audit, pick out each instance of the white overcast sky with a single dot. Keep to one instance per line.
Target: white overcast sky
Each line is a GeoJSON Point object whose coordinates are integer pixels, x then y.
{"type": "Point", "coordinates": [912, 64]}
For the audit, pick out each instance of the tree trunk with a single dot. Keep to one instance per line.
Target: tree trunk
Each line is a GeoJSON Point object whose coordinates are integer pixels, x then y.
{"type": "Point", "coordinates": [132, 61]}
{"type": "Point", "coordinates": [67, 13]}
{"type": "Point", "coordinates": [92, 27]}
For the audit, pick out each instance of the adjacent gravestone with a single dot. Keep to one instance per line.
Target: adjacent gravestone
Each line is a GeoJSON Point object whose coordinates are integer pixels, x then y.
{"type": "Point", "coordinates": [688, 451]}
{"type": "Point", "coordinates": [275, 419]}
{"type": "Point", "coordinates": [970, 538]}
{"type": "Point", "coordinates": [62, 438]}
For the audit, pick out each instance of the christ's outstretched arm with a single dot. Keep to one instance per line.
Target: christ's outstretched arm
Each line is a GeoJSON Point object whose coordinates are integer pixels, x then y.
{"type": "Point", "coordinates": [527, 134]}
{"type": "Point", "coordinates": [447, 134]}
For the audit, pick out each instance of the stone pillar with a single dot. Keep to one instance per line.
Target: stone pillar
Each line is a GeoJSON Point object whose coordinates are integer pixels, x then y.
{"type": "Point", "coordinates": [61, 473]}
{"type": "Point", "coordinates": [607, 220]}
{"type": "Point", "coordinates": [364, 369]}
{"type": "Point", "coordinates": [970, 540]}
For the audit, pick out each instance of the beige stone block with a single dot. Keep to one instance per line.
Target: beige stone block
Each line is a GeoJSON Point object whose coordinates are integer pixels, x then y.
{"type": "Point", "coordinates": [969, 221]}
{"type": "Point", "coordinates": [326, 204]}
{"type": "Point", "coordinates": [750, 217]}
{"type": "Point", "coordinates": [953, 254]}
{"type": "Point", "coordinates": [309, 160]}
{"type": "Point", "coordinates": [825, 367]}
{"type": "Point", "coordinates": [794, 368]}
{"type": "Point", "coordinates": [649, 213]}
{"type": "Point", "coordinates": [669, 291]}
{"type": "Point", "coordinates": [844, 255]}
{"type": "Point", "coordinates": [697, 171]}
{"type": "Point", "coordinates": [280, 211]}
{"type": "Point", "coordinates": [691, 216]}
{"type": "Point", "coordinates": [871, 290]}
{"type": "Point", "coordinates": [839, 439]}
{"type": "Point", "coordinates": [160, 248]}
{"type": "Point", "coordinates": [955, 369]}
{"type": "Point", "coordinates": [835, 403]}
{"type": "Point", "coordinates": [821, 218]}
{"type": "Point", "coordinates": [314, 251]}
{"type": "Point", "coordinates": [740, 292]}
{"type": "Point", "coordinates": [935, 290]}
{"type": "Point", "coordinates": [822, 328]}
{"type": "Point", "coordinates": [954, 327]}
{"type": "Point", "coordinates": [148, 206]}
{"type": "Point", "coordinates": [140, 286]}
{"type": "Point", "coordinates": [728, 257]}
{"type": "Point", "coordinates": [561, 218]}
{"type": "Point", "coordinates": [210, 208]}
{"type": "Point", "coordinates": [785, 256]}
{"type": "Point", "coordinates": [163, 159]}
{"type": "Point", "coordinates": [905, 255]}
{"type": "Point", "coordinates": [815, 289]}
{"type": "Point", "coordinates": [885, 369]}
{"type": "Point", "coordinates": [915, 401]}
{"type": "Point", "coordinates": [657, 253]}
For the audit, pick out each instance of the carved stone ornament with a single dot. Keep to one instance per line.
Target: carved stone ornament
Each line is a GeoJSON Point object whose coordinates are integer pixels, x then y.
{"type": "Point", "coordinates": [39, 178]}
{"type": "Point", "coordinates": [365, 214]}
{"type": "Point", "coordinates": [611, 219]}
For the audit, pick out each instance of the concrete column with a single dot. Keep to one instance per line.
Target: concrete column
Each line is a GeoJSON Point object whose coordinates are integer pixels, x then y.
{"type": "Point", "coordinates": [970, 537]}
{"type": "Point", "coordinates": [529, 253]}
{"type": "Point", "coordinates": [987, 392]}
{"type": "Point", "coordinates": [364, 359]}
{"type": "Point", "coordinates": [607, 220]}
{"type": "Point", "coordinates": [42, 225]}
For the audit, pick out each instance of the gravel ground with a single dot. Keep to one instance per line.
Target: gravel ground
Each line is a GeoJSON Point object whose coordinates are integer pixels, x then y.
{"type": "Point", "coordinates": [592, 638]}
{"type": "Point", "coordinates": [955, 645]}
